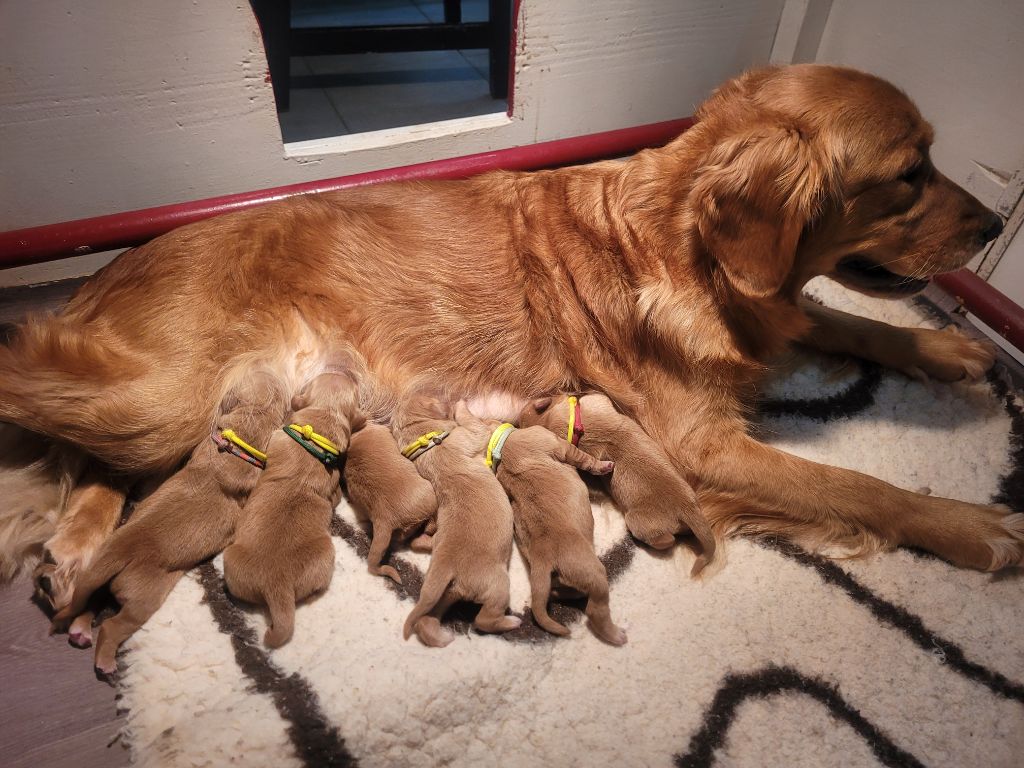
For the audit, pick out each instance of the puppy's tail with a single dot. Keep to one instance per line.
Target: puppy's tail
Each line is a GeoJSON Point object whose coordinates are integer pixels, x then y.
{"type": "Point", "coordinates": [433, 590]}
{"type": "Point", "coordinates": [63, 381]}
{"type": "Point", "coordinates": [281, 604]}
{"type": "Point", "coordinates": [701, 529]}
{"type": "Point", "coordinates": [540, 591]}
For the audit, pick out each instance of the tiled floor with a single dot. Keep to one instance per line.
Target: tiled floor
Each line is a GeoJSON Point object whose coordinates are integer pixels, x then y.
{"type": "Point", "coordinates": [338, 95]}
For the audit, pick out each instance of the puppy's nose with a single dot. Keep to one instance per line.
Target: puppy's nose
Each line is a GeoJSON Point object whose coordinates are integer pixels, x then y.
{"type": "Point", "coordinates": [993, 230]}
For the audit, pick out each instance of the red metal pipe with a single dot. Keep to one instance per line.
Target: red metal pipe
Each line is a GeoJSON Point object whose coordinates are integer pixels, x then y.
{"type": "Point", "coordinates": [123, 230]}
{"type": "Point", "coordinates": [995, 310]}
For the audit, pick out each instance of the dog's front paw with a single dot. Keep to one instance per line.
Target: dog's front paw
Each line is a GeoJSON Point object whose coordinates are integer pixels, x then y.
{"type": "Point", "coordinates": [55, 584]}
{"type": "Point", "coordinates": [947, 355]}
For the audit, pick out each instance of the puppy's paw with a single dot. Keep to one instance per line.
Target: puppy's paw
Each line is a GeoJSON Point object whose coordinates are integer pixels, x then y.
{"type": "Point", "coordinates": [611, 634]}
{"type": "Point", "coordinates": [507, 623]}
{"type": "Point", "coordinates": [947, 355]}
{"type": "Point", "coordinates": [80, 631]}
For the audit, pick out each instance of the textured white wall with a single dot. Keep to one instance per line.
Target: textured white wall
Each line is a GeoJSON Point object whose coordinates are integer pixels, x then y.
{"type": "Point", "coordinates": [115, 105]}
{"type": "Point", "coordinates": [960, 61]}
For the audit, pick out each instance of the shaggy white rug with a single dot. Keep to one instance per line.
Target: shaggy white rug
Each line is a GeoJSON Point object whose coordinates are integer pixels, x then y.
{"type": "Point", "coordinates": [778, 657]}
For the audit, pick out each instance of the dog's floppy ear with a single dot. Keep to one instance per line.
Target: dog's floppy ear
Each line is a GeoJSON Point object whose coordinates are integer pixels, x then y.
{"type": "Point", "coordinates": [753, 196]}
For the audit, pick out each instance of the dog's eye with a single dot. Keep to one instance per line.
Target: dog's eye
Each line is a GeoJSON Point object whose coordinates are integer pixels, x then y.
{"type": "Point", "coordinates": [913, 175]}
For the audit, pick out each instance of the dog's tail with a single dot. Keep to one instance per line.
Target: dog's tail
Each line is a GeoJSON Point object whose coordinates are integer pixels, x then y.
{"type": "Point", "coordinates": [80, 384]}
{"type": "Point", "coordinates": [431, 592]}
{"type": "Point", "coordinates": [540, 591]}
{"type": "Point", "coordinates": [281, 604]}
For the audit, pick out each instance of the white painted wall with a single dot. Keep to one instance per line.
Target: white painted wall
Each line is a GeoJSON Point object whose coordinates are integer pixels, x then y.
{"type": "Point", "coordinates": [962, 63]}
{"type": "Point", "coordinates": [115, 105]}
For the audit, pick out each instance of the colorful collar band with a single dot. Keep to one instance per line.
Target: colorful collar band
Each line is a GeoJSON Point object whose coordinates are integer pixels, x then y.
{"type": "Point", "coordinates": [495, 444]}
{"type": "Point", "coordinates": [325, 451]}
{"type": "Point", "coordinates": [229, 442]}
{"type": "Point", "coordinates": [423, 443]}
{"type": "Point", "coordinates": [576, 430]}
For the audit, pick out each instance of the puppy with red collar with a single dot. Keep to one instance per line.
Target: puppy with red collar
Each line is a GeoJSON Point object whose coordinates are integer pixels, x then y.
{"type": "Point", "coordinates": [658, 503]}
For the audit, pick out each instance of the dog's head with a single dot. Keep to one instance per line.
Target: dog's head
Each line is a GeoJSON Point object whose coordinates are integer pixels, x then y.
{"type": "Point", "coordinates": [815, 170]}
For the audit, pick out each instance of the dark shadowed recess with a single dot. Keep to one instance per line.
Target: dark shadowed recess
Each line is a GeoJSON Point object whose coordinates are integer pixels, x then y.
{"type": "Point", "coordinates": [773, 681]}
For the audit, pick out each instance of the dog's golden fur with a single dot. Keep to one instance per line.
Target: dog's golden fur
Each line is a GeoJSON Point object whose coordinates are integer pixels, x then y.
{"type": "Point", "coordinates": [189, 518]}
{"type": "Point", "coordinates": [554, 524]}
{"type": "Point", "coordinates": [657, 502]}
{"type": "Point", "coordinates": [282, 552]}
{"type": "Point", "coordinates": [667, 282]}
{"type": "Point", "coordinates": [385, 489]}
{"type": "Point", "coordinates": [473, 543]}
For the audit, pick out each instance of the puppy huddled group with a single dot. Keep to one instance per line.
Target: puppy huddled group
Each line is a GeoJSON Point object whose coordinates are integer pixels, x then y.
{"type": "Point", "coordinates": [438, 477]}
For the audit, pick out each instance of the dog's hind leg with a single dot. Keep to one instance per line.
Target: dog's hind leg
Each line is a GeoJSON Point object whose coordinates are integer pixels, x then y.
{"type": "Point", "coordinates": [94, 508]}
{"type": "Point", "coordinates": [378, 548]}
{"type": "Point", "coordinates": [141, 591]}
{"type": "Point", "coordinates": [491, 617]}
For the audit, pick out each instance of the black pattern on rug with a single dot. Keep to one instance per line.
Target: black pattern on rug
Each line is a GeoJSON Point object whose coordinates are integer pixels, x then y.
{"type": "Point", "coordinates": [317, 742]}
{"type": "Point", "coordinates": [857, 397]}
{"type": "Point", "coordinates": [773, 681]}
{"type": "Point", "coordinates": [899, 618]}
{"type": "Point", "coordinates": [459, 618]}
{"type": "Point", "coordinates": [1011, 486]}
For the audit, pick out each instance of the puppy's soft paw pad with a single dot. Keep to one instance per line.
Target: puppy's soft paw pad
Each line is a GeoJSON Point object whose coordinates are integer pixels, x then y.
{"type": "Point", "coordinates": [80, 639]}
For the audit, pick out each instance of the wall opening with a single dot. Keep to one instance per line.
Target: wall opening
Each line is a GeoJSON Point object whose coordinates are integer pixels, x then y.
{"type": "Point", "coordinates": [343, 67]}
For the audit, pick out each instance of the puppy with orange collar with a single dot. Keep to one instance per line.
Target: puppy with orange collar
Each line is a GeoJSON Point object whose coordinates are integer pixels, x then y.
{"type": "Point", "coordinates": [658, 503]}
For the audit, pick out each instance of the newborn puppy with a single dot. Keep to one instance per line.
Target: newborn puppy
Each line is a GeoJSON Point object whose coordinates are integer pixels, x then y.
{"type": "Point", "coordinates": [657, 502]}
{"type": "Point", "coordinates": [187, 519]}
{"type": "Point", "coordinates": [282, 552]}
{"type": "Point", "coordinates": [385, 488]}
{"type": "Point", "coordinates": [554, 524]}
{"type": "Point", "coordinates": [473, 542]}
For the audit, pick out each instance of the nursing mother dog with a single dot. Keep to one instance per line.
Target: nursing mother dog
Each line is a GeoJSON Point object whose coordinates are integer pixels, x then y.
{"type": "Point", "coordinates": [667, 282]}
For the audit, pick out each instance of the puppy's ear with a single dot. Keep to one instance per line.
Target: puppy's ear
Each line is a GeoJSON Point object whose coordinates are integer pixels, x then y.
{"type": "Point", "coordinates": [301, 399]}
{"type": "Point", "coordinates": [541, 404]}
{"type": "Point", "coordinates": [753, 196]}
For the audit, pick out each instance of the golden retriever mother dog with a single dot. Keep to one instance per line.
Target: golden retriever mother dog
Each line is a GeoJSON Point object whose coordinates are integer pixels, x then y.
{"type": "Point", "coordinates": [667, 282]}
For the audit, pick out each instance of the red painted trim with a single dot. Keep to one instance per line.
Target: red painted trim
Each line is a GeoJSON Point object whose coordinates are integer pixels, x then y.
{"type": "Point", "coordinates": [123, 230]}
{"type": "Point", "coordinates": [998, 312]}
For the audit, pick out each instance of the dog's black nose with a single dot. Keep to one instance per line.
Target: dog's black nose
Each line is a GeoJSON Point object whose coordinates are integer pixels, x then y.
{"type": "Point", "coordinates": [993, 230]}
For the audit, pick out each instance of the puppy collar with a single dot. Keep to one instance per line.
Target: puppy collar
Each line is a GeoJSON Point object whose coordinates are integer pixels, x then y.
{"type": "Point", "coordinates": [318, 446]}
{"type": "Point", "coordinates": [495, 444]}
{"type": "Point", "coordinates": [576, 430]}
{"type": "Point", "coordinates": [229, 442]}
{"type": "Point", "coordinates": [423, 443]}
